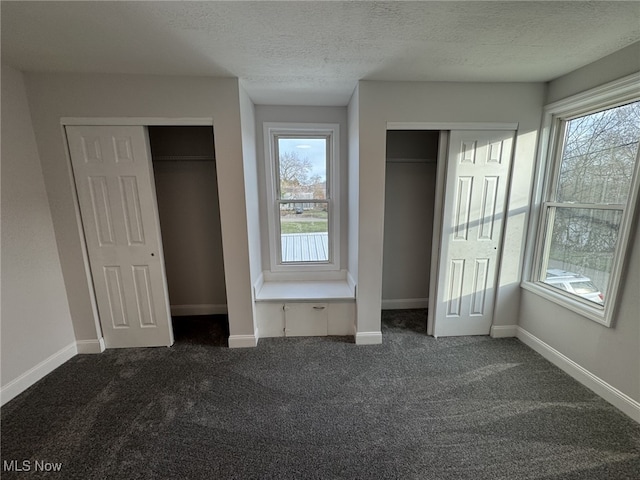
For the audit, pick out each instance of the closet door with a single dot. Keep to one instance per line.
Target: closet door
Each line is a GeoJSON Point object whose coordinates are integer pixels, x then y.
{"type": "Point", "coordinates": [478, 167]}
{"type": "Point", "coordinates": [113, 176]}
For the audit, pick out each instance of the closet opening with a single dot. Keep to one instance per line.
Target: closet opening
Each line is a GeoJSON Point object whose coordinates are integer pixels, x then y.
{"type": "Point", "coordinates": [184, 167]}
{"type": "Point", "coordinates": [410, 198]}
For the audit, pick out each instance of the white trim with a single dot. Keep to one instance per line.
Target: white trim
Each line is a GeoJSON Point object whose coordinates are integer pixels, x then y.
{"type": "Point", "coordinates": [368, 338]}
{"type": "Point", "coordinates": [532, 247]}
{"type": "Point", "coordinates": [332, 131]}
{"type": "Point", "coordinates": [305, 291]}
{"type": "Point", "coordinates": [91, 346]}
{"type": "Point", "coordinates": [600, 206]}
{"type": "Point", "coordinates": [352, 284]}
{"type": "Point", "coordinates": [436, 238]}
{"type": "Point", "coordinates": [503, 331]}
{"type": "Point", "coordinates": [567, 300]}
{"type": "Point", "coordinates": [258, 285]}
{"type": "Point", "coordinates": [199, 309]}
{"type": "Point", "coordinates": [17, 386]}
{"type": "Point", "coordinates": [309, 276]}
{"type": "Point", "coordinates": [243, 341]}
{"type": "Point", "coordinates": [611, 394]}
{"type": "Point", "coordinates": [404, 303]}
{"type": "Point", "coordinates": [599, 96]}
{"type": "Point", "coordinates": [548, 161]}
{"type": "Point", "coordinates": [137, 121]}
{"type": "Point", "coordinates": [451, 126]}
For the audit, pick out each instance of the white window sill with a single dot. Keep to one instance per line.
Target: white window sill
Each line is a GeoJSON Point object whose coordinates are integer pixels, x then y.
{"type": "Point", "coordinates": [595, 313]}
{"type": "Point", "coordinates": [271, 291]}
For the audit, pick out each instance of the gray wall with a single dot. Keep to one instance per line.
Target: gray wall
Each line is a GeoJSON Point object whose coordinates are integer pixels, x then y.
{"type": "Point", "coordinates": [617, 65]}
{"type": "Point", "coordinates": [290, 114]}
{"type": "Point", "coordinates": [612, 354]}
{"type": "Point", "coordinates": [408, 217]}
{"type": "Point", "coordinates": [353, 181]}
{"type": "Point", "coordinates": [252, 182]}
{"type": "Point", "coordinates": [187, 195]}
{"type": "Point", "coordinates": [382, 102]}
{"type": "Point", "coordinates": [53, 96]}
{"type": "Point", "coordinates": [36, 322]}
{"type": "Point", "coordinates": [253, 201]}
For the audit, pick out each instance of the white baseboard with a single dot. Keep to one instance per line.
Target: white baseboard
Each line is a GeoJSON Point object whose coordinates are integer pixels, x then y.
{"type": "Point", "coordinates": [611, 394]}
{"type": "Point", "coordinates": [368, 338]}
{"type": "Point", "coordinates": [243, 341]}
{"type": "Point", "coordinates": [202, 309]}
{"type": "Point", "coordinates": [405, 303]}
{"type": "Point", "coordinates": [17, 386]}
{"type": "Point", "coordinates": [91, 346]}
{"type": "Point", "coordinates": [504, 331]}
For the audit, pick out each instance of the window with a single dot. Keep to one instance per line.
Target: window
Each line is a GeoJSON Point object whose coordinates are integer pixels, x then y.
{"type": "Point", "coordinates": [303, 210]}
{"type": "Point", "coordinates": [589, 194]}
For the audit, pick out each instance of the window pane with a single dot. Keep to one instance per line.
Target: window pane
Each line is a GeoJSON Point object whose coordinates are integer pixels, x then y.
{"type": "Point", "coordinates": [583, 287]}
{"type": "Point", "coordinates": [599, 156]}
{"type": "Point", "coordinates": [302, 166]}
{"type": "Point", "coordinates": [581, 250]}
{"type": "Point", "coordinates": [304, 232]}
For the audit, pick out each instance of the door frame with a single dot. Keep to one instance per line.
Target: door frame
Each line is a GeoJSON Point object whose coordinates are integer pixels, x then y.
{"type": "Point", "coordinates": [441, 177]}
{"type": "Point", "coordinates": [91, 346]}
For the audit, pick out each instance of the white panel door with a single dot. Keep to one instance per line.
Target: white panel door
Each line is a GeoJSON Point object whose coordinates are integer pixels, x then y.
{"type": "Point", "coordinates": [473, 216]}
{"type": "Point", "coordinates": [116, 193]}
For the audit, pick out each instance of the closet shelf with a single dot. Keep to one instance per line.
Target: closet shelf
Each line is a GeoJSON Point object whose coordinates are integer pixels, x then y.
{"type": "Point", "coordinates": [183, 158]}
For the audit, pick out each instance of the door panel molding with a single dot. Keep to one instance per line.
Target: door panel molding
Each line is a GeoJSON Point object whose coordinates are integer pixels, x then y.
{"type": "Point", "coordinates": [124, 245]}
{"type": "Point", "coordinates": [474, 176]}
{"type": "Point", "coordinates": [118, 121]}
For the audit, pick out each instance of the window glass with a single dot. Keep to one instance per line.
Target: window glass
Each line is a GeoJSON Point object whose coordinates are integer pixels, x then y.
{"type": "Point", "coordinates": [582, 245]}
{"type": "Point", "coordinates": [304, 232]}
{"type": "Point", "coordinates": [584, 214]}
{"type": "Point", "coordinates": [302, 168]}
{"type": "Point", "coordinates": [599, 155]}
{"type": "Point", "coordinates": [304, 203]}
{"type": "Point", "coordinates": [584, 287]}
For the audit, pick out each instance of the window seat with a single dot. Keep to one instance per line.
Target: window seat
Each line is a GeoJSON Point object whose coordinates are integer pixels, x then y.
{"type": "Point", "coordinates": [301, 291]}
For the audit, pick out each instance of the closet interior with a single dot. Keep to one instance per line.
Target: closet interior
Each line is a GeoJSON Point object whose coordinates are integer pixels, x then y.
{"type": "Point", "coordinates": [184, 168]}
{"type": "Point", "coordinates": [411, 161]}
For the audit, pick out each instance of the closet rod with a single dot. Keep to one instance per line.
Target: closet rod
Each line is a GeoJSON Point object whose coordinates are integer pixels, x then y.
{"type": "Point", "coordinates": [410, 160]}
{"type": "Point", "coordinates": [183, 158]}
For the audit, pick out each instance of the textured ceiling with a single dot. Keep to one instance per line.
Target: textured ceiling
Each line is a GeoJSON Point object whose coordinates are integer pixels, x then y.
{"type": "Point", "coordinates": [315, 52]}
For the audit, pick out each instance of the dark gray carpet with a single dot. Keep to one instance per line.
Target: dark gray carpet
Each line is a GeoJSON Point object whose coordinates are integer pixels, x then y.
{"type": "Point", "coordinates": [319, 408]}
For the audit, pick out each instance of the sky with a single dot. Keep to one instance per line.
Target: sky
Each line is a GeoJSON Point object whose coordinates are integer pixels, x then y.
{"type": "Point", "coordinates": [312, 148]}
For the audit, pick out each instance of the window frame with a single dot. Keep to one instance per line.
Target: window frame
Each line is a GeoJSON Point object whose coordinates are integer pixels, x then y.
{"type": "Point", "coordinates": [551, 144]}
{"type": "Point", "coordinates": [272, 132]}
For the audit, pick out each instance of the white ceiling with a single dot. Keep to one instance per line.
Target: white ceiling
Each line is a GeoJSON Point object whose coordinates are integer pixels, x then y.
{"type": "Point", "coordinates": [314, 52]}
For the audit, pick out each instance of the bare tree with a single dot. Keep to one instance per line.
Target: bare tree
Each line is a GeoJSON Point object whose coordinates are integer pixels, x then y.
{"type": "Point", "coordinates": [294, 171]}
{"type": "Point", "coordinates": [597, 166]}
{"type": "Point", "coordinates": [599, 155]}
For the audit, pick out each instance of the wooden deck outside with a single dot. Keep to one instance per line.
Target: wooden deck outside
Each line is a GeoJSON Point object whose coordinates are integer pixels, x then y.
{"type": "Point", "coordinates": [305, 247]}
